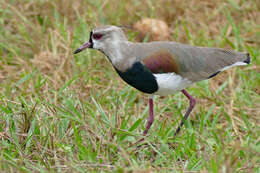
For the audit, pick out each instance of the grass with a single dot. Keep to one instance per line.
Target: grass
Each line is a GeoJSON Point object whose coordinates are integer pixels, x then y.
{"type": "Point", "coordinates": [65, 113]}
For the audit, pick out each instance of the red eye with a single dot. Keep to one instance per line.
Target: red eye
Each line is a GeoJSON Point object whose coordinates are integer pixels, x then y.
{"type": "Point", "coordinates": [97, 36]}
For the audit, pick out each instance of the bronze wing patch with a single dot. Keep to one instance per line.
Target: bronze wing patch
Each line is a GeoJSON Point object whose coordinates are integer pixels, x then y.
{"type": "Point", "coordinates": [161, 62]}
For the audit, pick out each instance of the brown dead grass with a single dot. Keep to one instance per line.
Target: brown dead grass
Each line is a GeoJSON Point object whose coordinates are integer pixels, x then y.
{"type": "Point", "coordinates": [203, 14]}
{"type": "Point", "coordinates": [50, 53]}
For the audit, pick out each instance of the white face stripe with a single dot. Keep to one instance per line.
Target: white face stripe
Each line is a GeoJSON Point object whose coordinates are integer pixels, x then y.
{"type": "Point", "coordinates": [113, 53]}
{"type": "Point", "coordinates": [112, 45]}
{"type": "Point", "coordinates": [97, 44]}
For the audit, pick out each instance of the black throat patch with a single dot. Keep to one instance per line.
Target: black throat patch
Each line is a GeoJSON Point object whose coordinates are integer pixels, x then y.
{"type": "Point", "coordinates": [139, 77]}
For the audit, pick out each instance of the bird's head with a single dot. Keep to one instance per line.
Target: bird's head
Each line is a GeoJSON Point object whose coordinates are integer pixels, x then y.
{"type": "Point", "coordinates": [101, 38]}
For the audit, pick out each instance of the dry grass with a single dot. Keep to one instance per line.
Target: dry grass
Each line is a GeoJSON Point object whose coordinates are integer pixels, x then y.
{"type": "Point", "coordinates": [65, 113]}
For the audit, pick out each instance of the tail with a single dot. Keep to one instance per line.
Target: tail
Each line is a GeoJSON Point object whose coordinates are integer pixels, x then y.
{"type": "Point", "coordinates": [244, 60]}
{"type": "Point", "coordinates": [248, 59]}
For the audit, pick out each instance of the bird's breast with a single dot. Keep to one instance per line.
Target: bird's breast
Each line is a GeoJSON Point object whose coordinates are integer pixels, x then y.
{"type": "Point", "coordinates": [139, 77]}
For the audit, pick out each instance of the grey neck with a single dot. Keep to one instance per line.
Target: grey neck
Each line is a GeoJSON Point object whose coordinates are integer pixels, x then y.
{"type": "Point", "coordinates": [120, 54]}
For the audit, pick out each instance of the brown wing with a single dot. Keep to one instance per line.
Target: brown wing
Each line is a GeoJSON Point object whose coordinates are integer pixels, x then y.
{"type": "Point", "coordinates": [161, 62]}
{"type": "Point", "coordinates": [193, 63]}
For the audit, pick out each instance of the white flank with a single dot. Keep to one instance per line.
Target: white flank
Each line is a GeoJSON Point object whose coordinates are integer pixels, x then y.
{"type": "Point", "coordinates": [235, 64]}
{"type": "Point", "coordinates": [170, 83]}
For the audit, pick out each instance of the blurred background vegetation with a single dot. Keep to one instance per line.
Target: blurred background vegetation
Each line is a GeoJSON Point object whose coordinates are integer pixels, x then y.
{"type": "Point", "coordinates": [65, 113]}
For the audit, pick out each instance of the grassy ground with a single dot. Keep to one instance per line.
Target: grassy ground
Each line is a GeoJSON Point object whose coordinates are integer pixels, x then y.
{"type": "Point", "coordinates": [65, 113]}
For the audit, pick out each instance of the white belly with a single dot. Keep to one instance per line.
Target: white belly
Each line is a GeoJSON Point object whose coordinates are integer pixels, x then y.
{"type": "Point", "coordinates": [170, 83]}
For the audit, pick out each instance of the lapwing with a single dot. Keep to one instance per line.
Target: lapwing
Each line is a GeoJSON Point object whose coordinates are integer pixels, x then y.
{"type": "Point", "coordinates": [161, 67]}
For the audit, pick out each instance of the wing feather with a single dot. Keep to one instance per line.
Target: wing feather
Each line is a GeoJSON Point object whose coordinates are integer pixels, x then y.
{"type": "Point", "coordinates": [193, 63]}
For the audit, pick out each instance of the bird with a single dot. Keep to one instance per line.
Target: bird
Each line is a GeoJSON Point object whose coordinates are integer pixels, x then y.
{"type": "Point", "coordinates": [161, 67]}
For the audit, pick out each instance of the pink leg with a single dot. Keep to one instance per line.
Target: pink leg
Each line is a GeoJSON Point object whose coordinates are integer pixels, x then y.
{"type": "Point", "coordinates": [151, 117]}
{"type": "Point", "coordinates": [192, 104]}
